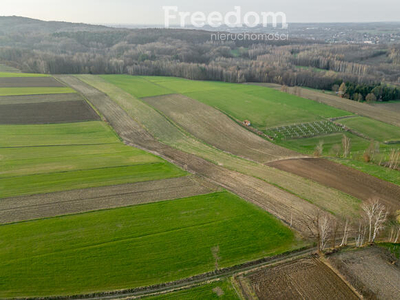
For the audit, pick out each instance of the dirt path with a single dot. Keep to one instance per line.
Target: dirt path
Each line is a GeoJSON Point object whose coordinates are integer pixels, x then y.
{"type": "Point", "coordinates": [285, 206]}
{"type": "Point", "coordinates": [348, 180]}
{"type": "Point", "coordinates": [77, 201]}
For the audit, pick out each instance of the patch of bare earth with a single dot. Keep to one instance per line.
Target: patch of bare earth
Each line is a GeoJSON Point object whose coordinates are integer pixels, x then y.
{"type": "Point", "coordinates": [26, 99]}
{"type": "Point", "coordinates": [77, 201]}
{"type": "Point", "coordinates": [217, 129]}
{"type": "Point", "coordinates": [306, 278]}
{"type": "Point", "coordinates": [284, 205]}
{"type": "Point", "coordinates": [29, 82]}
{"type": "Point", "coordinates": [348, 180]}
{"type": "Point", "coordinates": [373, 271]}
{"type": "Point", "coordinates": [47, 112]}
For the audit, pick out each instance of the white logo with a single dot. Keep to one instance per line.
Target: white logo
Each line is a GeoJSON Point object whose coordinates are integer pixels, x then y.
{"type": "Point", "coordinates": [231, 19]}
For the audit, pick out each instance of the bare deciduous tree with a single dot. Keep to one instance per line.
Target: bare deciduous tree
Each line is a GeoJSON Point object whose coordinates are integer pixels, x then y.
{"type": "Point", "coordinates": [376, 215]}
{"type": "Point", "coordinates": [346, 144]}
{"type": "Point", "coordinates": [345, 233]}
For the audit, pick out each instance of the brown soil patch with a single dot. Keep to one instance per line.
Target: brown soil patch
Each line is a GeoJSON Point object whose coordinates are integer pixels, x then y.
{"type": "Point", "coordinates": [5, 100]}
{"type": "Point", "coordinates": [29, 82]}
{"type": "Point", "coordinates": [47, 112]}
{"type": "Point", "coordinates": [372, 271]}
{"type": "Point", "coordinates": [217, 129]}
{"type": "Point", "coordinates": [306, 278]}
{"type": "Point", "coordinates": [77, 201]}
{"type": "Point", "coordinates": [348, 180]}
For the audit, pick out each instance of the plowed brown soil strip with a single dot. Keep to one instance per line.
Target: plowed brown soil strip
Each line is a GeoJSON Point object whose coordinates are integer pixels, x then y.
{"type": "Point", "coordinates": [348, 180]}
{"type": "Point", "coordinates": [306, 278]}
{"type": "Point", "coordinates": [5, 100]}
{"type": "Point", "coordinates": [77, 201]}
{"type": "Point", "coordinates": [47, 112]}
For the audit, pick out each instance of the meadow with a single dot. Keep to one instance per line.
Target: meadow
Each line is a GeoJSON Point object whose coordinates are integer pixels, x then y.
{"type": "Point", "coordinates": [135, 246]}
{"type": "Point", "coordinates": [84, 133]}
{"type": "Point", "coordinates": [376, 130]}
{"type": "Point", "coordinates": [263, 107]}
{"type": "Point", "coordinates": [55, 157]}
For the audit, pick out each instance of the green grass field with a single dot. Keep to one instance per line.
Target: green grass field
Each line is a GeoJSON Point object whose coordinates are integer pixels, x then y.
{"type": "Point", "coordinates": [20, 91]}
{"type": "Point", "coordinates": [135, 246]}
{"type": "Point", "coordinates": [38, 160]}
{"type": "Point", "coordinates": [308, 145]}
{"type": "Point", "coordinates": [376, 130]}
{"type": "Point", "coordinates": [86, 178]}
{"type": "Point", "coordinates": [84, 133]}
{"type": "Point", "coordinates": [48, 158]}
{"type": "Point", "coordinates": [204, 292]}
{"type": "Point", "coordinates": [264, 107]}
{"type": "Point", "coordinates": [5, 73]}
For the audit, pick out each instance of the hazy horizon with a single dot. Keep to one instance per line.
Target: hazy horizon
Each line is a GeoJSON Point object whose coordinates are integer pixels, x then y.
{"type": "Point", "coordinates": [124, 12]}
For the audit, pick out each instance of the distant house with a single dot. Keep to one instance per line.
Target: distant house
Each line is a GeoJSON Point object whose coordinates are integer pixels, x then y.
{"type": "Point", "coordinates": [247, 123]}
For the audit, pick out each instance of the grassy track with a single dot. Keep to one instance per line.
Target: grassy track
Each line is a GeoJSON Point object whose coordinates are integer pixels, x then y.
{"type": "Point", "coordinates": [135, 246]}
{"type": "Point", "coordinates": [56, 134]}
{"type": "Point", "coordinates": [18, 91]}
{"type": "Point", "coordinates": [376, 130]}
{"type": "Point", "coordinates": [11, 74]}
{"type": "Point", "coordinates": [203, 292]}
{"type": "Point", "coordinates": [262, 106]}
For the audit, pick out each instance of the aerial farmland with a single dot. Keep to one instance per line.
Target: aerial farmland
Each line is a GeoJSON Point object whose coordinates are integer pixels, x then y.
{"type": "Point", "coordinates": [147, 174]}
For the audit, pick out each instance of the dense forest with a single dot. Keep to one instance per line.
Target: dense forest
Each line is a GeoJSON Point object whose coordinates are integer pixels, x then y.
{"type": "Point", "coordinates": [57, 47]}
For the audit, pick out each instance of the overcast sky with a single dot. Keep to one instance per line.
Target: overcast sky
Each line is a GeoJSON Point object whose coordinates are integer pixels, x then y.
{"type": "Point", "coordinates": [151, 12]}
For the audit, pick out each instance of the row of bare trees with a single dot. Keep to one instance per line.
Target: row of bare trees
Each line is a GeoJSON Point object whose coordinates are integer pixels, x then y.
{"type": "Point", "coordinates": [330, 232]}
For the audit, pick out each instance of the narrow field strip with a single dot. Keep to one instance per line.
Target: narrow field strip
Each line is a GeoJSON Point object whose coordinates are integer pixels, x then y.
{"type": "Point", "coordinates": [84, 133]}
{"type": "Point", "coordinates": [47, 183]}
{"type": "Point", "coordinates": [53, 159]}
{"type": "Point", "coordinates": [13, 74]}
{"type": "Point", "coordinates": [25, 82]}
{"type": "Point", "coordinates": [84, 200]}
{"type": "Point", "coordinates": [25, 99]}
{"type": "Point", "coordinates": [34, 91]}
{"type": "Point", "coordinates": [162, 242]}
{"type": "Point", "coordinates": [47, 113]}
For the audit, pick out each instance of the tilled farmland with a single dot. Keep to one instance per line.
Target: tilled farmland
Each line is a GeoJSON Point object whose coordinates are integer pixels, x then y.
{"type": "Point", "coordinates": [77, 201]}
{"type": "Point", "coordinates": [348, 180]}
{"type": "Point", "coordinates": [373, 271]}
{"type": "Point", "coordinates": [29, 82]}
{"type": "Point", "coordinates": [217, 129]}
{"type": "Point", "coordinates": [306, 278]}
{"type": "Point", "coordinates": [29, 99]}
{"type": "Point", "coordinates": [47, 112]}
